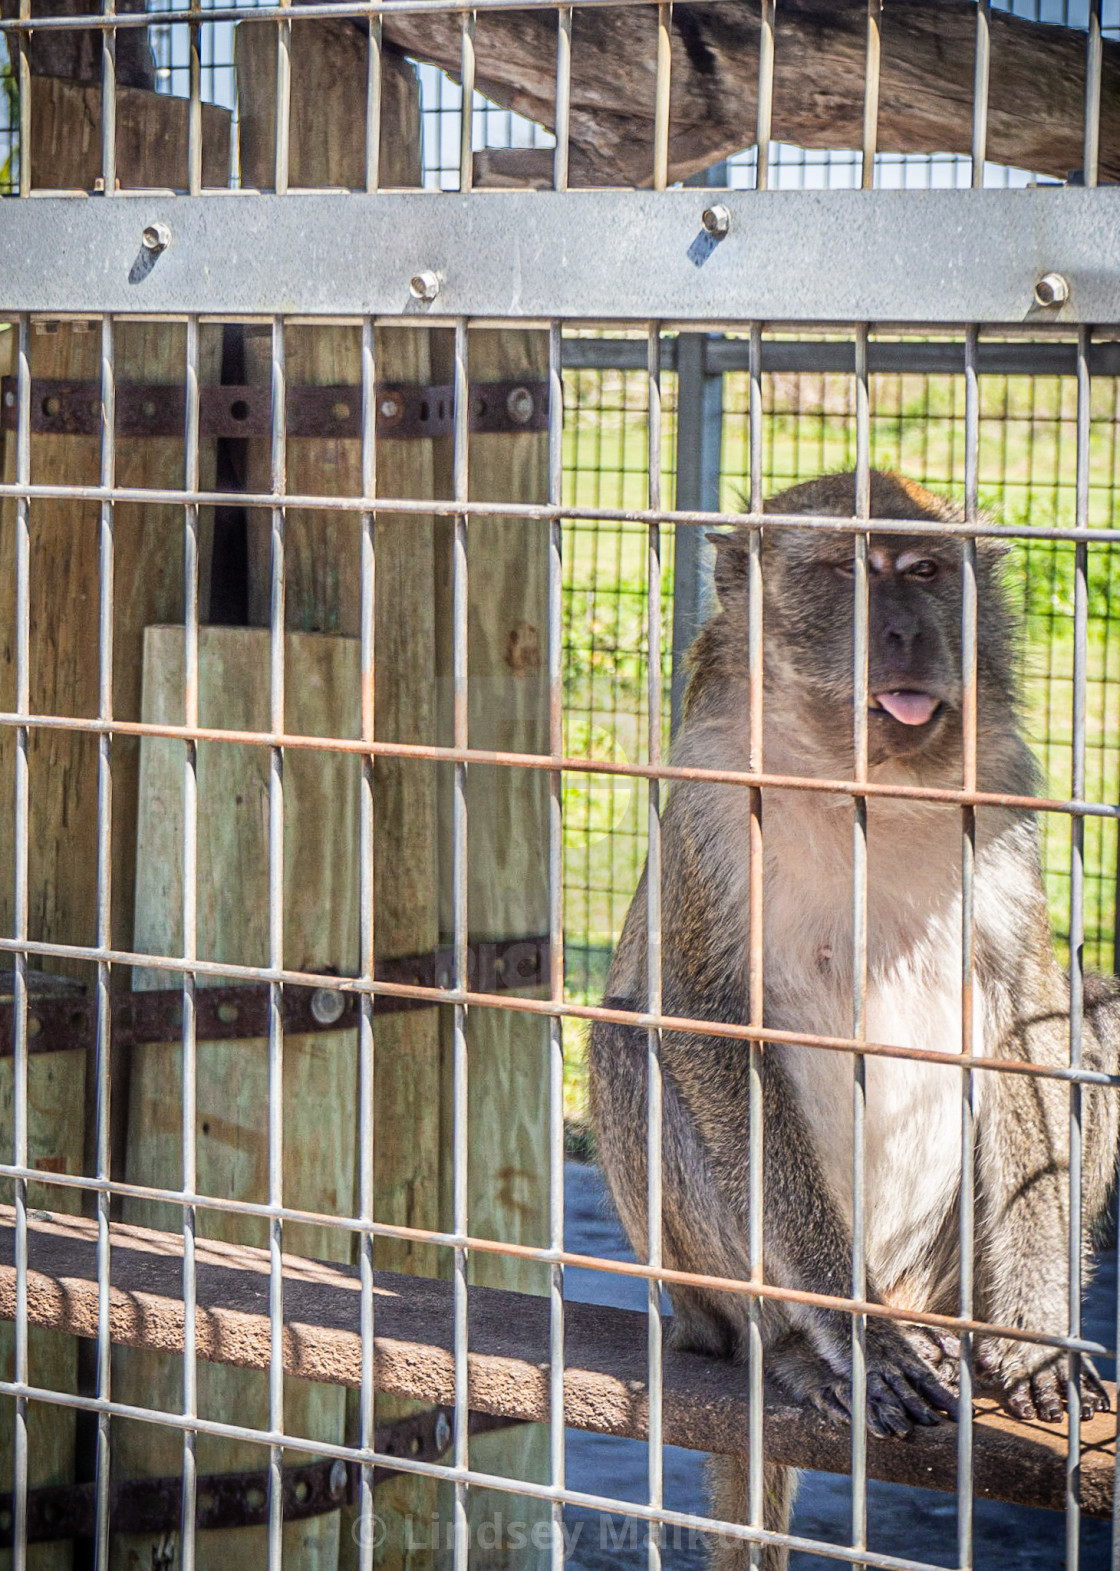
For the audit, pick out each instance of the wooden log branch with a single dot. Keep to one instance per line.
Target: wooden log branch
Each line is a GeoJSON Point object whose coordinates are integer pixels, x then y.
{"type": "Point", "coordinates": [705, 1400]}
{"type": "Point", "coordinates": [1036, 113]}
{"type": "Point", "coordinates": [76, 54]}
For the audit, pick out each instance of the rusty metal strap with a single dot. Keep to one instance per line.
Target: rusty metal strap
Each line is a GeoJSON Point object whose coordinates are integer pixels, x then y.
{"type": "Point", "coordinates": [60, 408]}
{"type": "Point", "coordinates": [222, 1014]}
{"type": "Point", "coordinates": [154, 1505]}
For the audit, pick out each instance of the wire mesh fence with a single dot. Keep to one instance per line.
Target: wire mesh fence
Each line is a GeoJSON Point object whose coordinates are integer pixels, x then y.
{"type": "Point", "coordinates": [1028, 476]}
{"type": "Point", "coordinates": [572, 704]}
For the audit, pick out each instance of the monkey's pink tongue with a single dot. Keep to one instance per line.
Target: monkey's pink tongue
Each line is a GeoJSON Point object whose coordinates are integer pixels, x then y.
{"type": "Point", "coordinates": [909, 708]}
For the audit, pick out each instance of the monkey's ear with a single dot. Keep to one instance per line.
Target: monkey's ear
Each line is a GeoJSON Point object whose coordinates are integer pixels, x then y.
{"type": "Point", "coordinates": [731, 562]}
{"type": "Point", "coordinates": [994, 547]}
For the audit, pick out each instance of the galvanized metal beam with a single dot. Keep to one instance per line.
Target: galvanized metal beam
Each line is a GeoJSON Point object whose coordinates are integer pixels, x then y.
{"type": "Point", "coordinates": [908, 356]}
{"type": "Point", "coordinates": [906, 257]}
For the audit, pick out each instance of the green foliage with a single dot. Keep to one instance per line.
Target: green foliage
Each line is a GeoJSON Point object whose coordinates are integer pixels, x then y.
{"type": "Point", "coordinates": [9, 118]}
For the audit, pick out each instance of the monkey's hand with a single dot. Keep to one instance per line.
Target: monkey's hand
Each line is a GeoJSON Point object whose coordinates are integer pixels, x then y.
{"type": "Point", "coordinates": [1035, 1380]}
{"type": "Point", "coordinates": [902, 1389]}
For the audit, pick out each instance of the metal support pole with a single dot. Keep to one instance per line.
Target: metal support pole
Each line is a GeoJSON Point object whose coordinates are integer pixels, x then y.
{"type": "Point", "coordinates": [699, 439]}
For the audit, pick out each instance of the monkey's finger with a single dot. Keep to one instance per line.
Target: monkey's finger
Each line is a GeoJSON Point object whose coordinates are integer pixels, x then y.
{"type": "Point", "coordinates": [1047, 1395]}
{"type": "Point", "coordinates": [949, 1343]}
{"type": "Point", "coordinates": [833, 1402]}
{"type": "Point", "coordinates": [886, 1413]}
{"type": "Point", "coordinates": [916, 1405]}
{"type": "Point", "coordinates": [936, 1394]}
{"type": "Point", "coordinates": [1019, 1399]}
{"type": "Point", "coordinates": [937, 1347]}
{"type": "Point", "coordinates": [1092, 1391]}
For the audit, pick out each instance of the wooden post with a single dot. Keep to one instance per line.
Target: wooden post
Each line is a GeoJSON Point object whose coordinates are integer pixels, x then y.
{"type": "Point", "coordinates": [65, 152]}
{"type": "Point", "coordinates": [322, 593]}
{"type": "Point", "coordinates": [507, 848]}
{"type": "Point", "coordinates": [320, 933]}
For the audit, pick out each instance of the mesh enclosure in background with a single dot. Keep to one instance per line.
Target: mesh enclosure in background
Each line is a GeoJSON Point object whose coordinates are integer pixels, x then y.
{"type": "Point", "coordinates": [1027, 476]}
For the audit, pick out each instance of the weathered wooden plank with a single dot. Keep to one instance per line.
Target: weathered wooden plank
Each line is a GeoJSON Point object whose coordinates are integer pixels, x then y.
{"type": "Point", "coordinates": [1035, 118]}
{"type": "Point", "coordinates": [323, 590]}
{"type": "Point", "coordinates": [320, 933]}
{"type": "Point", "coordinates": [706, 1399]}
{"type": "Point", "coordinates": [151, 137]}
{"type": "Point", "coordinates": [148, 555]}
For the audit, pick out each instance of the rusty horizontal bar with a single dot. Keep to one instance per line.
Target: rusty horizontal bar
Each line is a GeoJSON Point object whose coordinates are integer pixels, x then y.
{"type": "Point", "coordinates": [155, 1505]}
{"type": "Point", "coordinates": [705, 1404]}
{"type": "Point", "coordinates": [825, 523]}
{"type": "Point", "coordinates": [405, 411]}
{"type": "Point", "coordinates": [240, 1012]}
{"type": "Point", "coordinates": [547, 1257]}
{"type": "Point", "coordinates": [941, 795]}
{"type": "Point", "coordinates": [640, 1019]}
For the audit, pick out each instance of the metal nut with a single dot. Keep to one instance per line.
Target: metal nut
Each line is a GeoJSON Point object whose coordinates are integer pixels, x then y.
{"type": "Point", "coordinates": [520, 405]}
{"type": "Point", "coordinates": [424, 286]}
{"type": "Point", "coordinates": [327, 1005]}
{"type": "Point", "coordinates": [1051, 289]}
{"type": "Point", "coordinates": [156, 238]}
{"type": "Point", "coordinates": [716, 220]}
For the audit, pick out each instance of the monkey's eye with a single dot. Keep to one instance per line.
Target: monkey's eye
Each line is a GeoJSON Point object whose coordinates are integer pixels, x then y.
{"type": "Point", "coordinates": [843, 569]}
{"type": "Point", "coordinates": [923, 569]}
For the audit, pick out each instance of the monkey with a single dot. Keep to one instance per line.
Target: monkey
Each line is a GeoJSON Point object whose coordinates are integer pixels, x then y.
{"type": "Point", "coordinates": [1021, 996]}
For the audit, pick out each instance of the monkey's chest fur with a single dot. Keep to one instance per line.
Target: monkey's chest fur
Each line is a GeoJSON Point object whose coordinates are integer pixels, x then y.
{"type": "Point", "coordinates": [912, 1139]}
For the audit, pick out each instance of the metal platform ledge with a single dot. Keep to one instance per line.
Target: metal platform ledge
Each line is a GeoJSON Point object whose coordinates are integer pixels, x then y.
{"type": "Point", "coordinates": [921, 257]}
{"type": "Point", "coordinates": [705, 1400]}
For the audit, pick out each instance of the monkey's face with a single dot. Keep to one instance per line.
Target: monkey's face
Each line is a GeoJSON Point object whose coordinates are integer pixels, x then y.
{"type": "Point", "coordinates": [914, 665]}
{"type": "Point", "coordinates": [913, 641]}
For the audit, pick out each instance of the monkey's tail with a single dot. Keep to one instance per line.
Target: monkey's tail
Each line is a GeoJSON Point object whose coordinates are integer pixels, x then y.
{"type": "Point", "coordinates": [729, 1481]}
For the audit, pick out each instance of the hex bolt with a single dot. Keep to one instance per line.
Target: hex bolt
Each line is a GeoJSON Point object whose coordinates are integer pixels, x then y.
{"type": "Point", "coordinates": [717, 220]}
{"type": "Point", "coordinates": [442, 1434]}
{"type": "Point", "coordinates": [424, 286]}
{"type": "Point", "coordinates": [1051, 289]}
{"type": "Point", "coordinates": [327, 1005]}
{"type": "Point", "coordinates": [336, 1483]}
{"type": "Point", "coordinates": [520, 405]}
{"type": "Point", "coordinates": [156, 238]}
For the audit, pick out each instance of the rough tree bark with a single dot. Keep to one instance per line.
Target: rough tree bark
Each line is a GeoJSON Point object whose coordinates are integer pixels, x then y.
{"type": "Point", "coordinates": [1035, 120]}
{"type": "Point", "coordinates": [77, 55]}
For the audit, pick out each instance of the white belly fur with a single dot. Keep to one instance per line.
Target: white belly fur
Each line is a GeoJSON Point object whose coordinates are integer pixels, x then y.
{"type": "Point", "coordinates": [912, 1141]}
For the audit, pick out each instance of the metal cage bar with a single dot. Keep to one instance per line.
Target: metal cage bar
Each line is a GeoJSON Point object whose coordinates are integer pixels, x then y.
{"type": "Point", "coordinates": [277, 625]}
{"type": "Point", "coordinates": [1077, 952]}
{"type": "Point", "coordinates": [109, 100]}
{"type": "Point", "coordinates": [21, 831]}
{"type": "Point", "coordinates": [969, 624]}
{"type": "Point", "coordinates": [860, 611]}
{"type": "Point", "coordinates": [563, 97]}
{"type": "Point", "coordinates": [103, 1060]}
{"type": "Point", "coordinates": [653, 928]}
{"type": "Point", "coordinates": [460, 918]}
{"type": "Point", "coordinates": [189, 1114]}
{"type": "Point", "coordinates": [765, 95]}
{"type": "Point", "coordinates": [557, 1473]}
{"type": "Point", "coordinates": [367, 943]}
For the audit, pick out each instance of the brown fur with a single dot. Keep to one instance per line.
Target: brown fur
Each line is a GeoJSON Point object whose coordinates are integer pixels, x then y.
{"type": "Point", "coordinates": [913, 928]}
